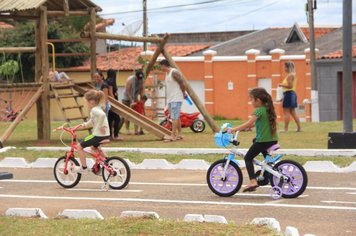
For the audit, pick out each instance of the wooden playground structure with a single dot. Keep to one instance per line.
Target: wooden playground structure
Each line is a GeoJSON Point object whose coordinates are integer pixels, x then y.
{"type": "Point", "coordinates": [40, 11]}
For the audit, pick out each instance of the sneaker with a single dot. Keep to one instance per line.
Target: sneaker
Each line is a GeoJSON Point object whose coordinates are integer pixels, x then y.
{"type": "Point", "coordinates": [80, 170]}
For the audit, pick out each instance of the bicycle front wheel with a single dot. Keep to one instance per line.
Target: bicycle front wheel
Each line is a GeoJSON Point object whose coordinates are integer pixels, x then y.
{"type": "Point", "coordinates": [297, 178]}
{"type": "Point", "coordinates": [70, 178]}
{"type": "Point", "coordinates": [121, 173]}
{"type": "Point", "coordinates": [224, 186]}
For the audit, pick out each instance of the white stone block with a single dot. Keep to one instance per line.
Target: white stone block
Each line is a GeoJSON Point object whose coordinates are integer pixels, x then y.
{"type": "Point", "coordinates": [291, 231]}
{"type": "Point", "coordinates": [350, 168]}
{"type": "Point", "coordinates": [131, 164]}
{"type": "Point", "coordinates": [155, 164]}
{"type": "Point", "coordinates": [44, 163]}
{"type": "Point", "coordinates": [14, 162]}
{"type": "Point", "coordinates": [140, 214]}
{"type": "Point", "coordinates": [4, 149]}
{"type": "Point", "coordinates": [26, 212]}
{"type": "Point", "coordinates": [271, 223]}
{"type": "Point", "coordinates": [215, 219]}
{"type": "Point", "coordinates": [193, 164]}
{"type": "Point", "coordinates": [81, 214]}
{"type": "Point", "coordinates": [193, 218]}
{"type": "Point", "coordinates": [321, 166]}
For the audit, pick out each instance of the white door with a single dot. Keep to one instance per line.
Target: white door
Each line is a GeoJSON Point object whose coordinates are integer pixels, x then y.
{"type": "Point", "coordinates": [265, 83]}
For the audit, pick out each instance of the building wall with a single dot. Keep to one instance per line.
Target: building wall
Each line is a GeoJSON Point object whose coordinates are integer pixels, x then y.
{"type": "Point", "coordinates": [328, 87]}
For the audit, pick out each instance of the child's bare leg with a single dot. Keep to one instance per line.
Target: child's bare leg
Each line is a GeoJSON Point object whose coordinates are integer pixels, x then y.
{"type": "Point", "coordinates": [81, 155]}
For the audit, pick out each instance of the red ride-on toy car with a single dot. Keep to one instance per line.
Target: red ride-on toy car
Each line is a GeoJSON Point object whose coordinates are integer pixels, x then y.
{"type": "Point", "coordinates": [187, 120]}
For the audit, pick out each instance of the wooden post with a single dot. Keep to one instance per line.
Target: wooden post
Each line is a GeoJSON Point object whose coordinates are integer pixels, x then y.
{"type": "Point", "coordinates": [192, 94]}
{"type": "Point", "coordinates": [43, 106]}
{"type": "Point", "coordinates": [155, 55]}
{"type": "Point", "coordinates": [66, 7]}
{"type": "Point", "coordinates": [92, 43]}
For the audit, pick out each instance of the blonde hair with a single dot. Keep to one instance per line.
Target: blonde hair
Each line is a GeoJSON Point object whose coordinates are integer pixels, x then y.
{"type": "Point", "coordinates": [94, 95]}
{"type": "Point", "coordinates": [290, 66]}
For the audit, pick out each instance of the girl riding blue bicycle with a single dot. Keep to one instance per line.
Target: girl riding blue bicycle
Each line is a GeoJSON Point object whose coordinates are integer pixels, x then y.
{"type": "Point", "coordinates": [264, 118]}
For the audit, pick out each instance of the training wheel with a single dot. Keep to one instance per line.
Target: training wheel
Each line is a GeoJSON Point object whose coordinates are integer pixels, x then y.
{"type": "Point", "coordinates": [275, 192]}
{"type": "Point", "coordinates": [105, 186]}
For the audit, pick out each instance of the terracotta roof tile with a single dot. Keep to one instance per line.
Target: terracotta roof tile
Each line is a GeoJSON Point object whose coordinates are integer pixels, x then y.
{"type": "Point", "coordinates": [126, 58]}
{"type": "Point", "coordinates": [338, 54]}
{"type": "Point", "coordinates": [318, 31]}
{"type": "Point", "coordinates": [4, 25]}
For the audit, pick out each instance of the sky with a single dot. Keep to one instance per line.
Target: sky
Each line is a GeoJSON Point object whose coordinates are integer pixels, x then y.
{"type": "Point", "coordinates": [175, 16]}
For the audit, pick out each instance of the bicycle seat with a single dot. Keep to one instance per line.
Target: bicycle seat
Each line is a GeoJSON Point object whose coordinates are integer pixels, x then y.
{"type": "Point", "coordinates": [105, 141]}
{"type": "Point", "coordinates": [273, 148]}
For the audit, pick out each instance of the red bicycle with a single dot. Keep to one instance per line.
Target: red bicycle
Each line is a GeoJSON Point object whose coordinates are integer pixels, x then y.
{"type": "Point", "coordinates": [114, 170]}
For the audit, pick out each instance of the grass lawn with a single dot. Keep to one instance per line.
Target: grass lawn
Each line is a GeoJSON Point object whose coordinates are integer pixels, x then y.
{"type": "Point", "coordinates": [314, 135]}
{"type": "Point", "coordinates": [116, 226]}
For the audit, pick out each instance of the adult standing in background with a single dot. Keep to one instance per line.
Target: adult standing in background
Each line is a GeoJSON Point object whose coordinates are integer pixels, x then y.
{"type": "Point", "coordinates": [290, 102]}
{"type": "Point", "coordinates": [113, 118]}
{"type": "Point", "coordinates": [175, 90]}
{"type": "Point", "coordinates": [133, 89]}
{"type": "Point", "coordinates": [100, 84]}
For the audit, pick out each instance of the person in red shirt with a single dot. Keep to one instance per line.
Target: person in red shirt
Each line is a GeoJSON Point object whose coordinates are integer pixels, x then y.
{"type": "Point", "coordinates": [139, 106]}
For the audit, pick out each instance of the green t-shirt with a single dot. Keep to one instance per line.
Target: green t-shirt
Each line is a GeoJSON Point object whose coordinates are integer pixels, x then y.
{"type": "Point", "coordinates": [263, 128]}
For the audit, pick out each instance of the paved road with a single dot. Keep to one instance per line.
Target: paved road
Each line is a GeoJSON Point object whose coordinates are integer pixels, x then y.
{"type": "Point", "coordinates": [327, 207]}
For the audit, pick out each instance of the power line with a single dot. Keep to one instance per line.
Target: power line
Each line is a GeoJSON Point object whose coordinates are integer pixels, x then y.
{"type": "Point", "coordinates": [166, 7]}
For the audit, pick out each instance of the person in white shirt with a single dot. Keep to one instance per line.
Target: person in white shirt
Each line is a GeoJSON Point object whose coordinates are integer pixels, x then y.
{"type": "Point", "coordinates": [175, 89]}
{"type": "Point", "coordinates": [97, 120]}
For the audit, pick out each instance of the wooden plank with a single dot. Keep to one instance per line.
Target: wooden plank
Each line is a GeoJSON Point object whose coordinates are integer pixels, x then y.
{"type": "Point", "coordinates": [119, 37]}
{"type": "Point", "coordinates": [70, 13]}
{"type": "Point", "coordinates": [18, 50]}
{"type": "Point", "coordinates": [72, 107]}
{"type": "Point", "coordinates": [72, 54]}
{"type": "Point", "coordinates": [192, 94]}
{"type": "Point", "coordinates": [155, 55]}
{"type": "Point", "coordinates": [133, 116]}
{"type": "Point", "coordinates": [72, 40]}
{"type": "Point", "coordinates": [92, 43]}
{"type": "Point", "coordinates": [21, 115]}
{"type": "Point", "coordinates": [20, 85]}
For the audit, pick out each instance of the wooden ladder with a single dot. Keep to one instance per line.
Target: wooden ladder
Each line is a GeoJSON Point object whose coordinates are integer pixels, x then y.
{"type": "Point", "coordinates": [65, 92]}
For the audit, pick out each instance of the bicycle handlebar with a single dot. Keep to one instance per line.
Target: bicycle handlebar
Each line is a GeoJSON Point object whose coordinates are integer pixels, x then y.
{"type": "Point", "coordinates": [70, 130]}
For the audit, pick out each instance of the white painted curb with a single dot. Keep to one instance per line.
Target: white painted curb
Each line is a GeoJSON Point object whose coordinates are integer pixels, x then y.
{"type": "Point", "coordinates": [350, 168]}
{"type": "Point", "coordinates": [44, 163]}
{"type": "Point", "coordinates": [81, 214]}
{"type": "Point", "coordinates": [271, 223]}
{"type": "Point", "coordinates": [193, 218]}
{"type": "Point", "coordinates": [26, 212]}
{"type": "Point", "coordinates": [215, 219]}
{"type": "Point", "coordinates": [14, 162]}
{"type": "Point", "coordinates": [193, 164]}
{"type": "Point", "coordinates": [139, 214]}
{"type": "Point", "coordinates": [291, 231]}
{"type": "Point", "coordinates": [6, 149]}
{"type": "Point", "coordinates": [321, 166]}
{"type": "Point", "coordinates": [155, 164]}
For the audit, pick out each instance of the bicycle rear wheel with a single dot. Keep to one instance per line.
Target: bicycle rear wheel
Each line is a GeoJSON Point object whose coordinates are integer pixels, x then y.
{"type": "Point", "coordinates": [122, 173]}
{"type": "Point", "coordinates": [69, 179]}
{"type": "Point", "coordinates": [297, 178]}
{"type": "Point", "coordinates": [228, 186]}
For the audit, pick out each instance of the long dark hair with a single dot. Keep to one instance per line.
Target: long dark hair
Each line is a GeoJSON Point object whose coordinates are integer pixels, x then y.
{"type": "Point", "coordinates": [266, 99]}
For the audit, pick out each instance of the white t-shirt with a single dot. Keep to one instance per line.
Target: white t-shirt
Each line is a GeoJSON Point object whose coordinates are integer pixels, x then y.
{"type": "Point", "coordinates": [174, 93]}
{"type": "Point", "coordinates": [97, 120]}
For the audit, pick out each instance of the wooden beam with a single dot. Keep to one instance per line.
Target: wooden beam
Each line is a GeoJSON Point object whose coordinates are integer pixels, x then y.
{"type": "Point", "coordinates": [72, 54]}
{"type": "Point", "coordinates": [20, 85]}
{"type": "Point", "coordinates": [78, 40]}
{"type": "Point", "coordinates": [18, 17]}
{"type": "Point", "coordinates": [43, 108]}
{"type": "Point", "coordinates": [71, 13]}
{"type": "Point", "coordinates": [92, 43]}
{"type": "Point", "coordinates": [155, 55]}
{"type": "Point", "coordinates": [122, 37]}
{"type": "Point", "coordinates": [20, 116]}
{"type": "Point", "coordinates": [192, 94]}
{"type": "Point", "coordinates": [18, 50]}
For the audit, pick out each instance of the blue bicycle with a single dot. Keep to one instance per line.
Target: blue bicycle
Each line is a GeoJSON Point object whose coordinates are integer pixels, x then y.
{"type": "Point", "coordinates": [288, 178]}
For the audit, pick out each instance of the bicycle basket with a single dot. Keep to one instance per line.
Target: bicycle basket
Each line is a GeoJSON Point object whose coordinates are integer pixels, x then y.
{"type": "Point", "coordinates": [222, 139]}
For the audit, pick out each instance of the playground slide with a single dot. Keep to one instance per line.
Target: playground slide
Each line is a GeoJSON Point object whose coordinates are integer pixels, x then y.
{"type": "Point", "coordinates": [20, 116]}
{"type": "Point", "coordinates": [128, 113]}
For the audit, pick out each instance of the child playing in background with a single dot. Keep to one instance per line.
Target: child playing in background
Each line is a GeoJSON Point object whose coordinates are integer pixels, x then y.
{"type": "Point", "coordinates": [139, 106]}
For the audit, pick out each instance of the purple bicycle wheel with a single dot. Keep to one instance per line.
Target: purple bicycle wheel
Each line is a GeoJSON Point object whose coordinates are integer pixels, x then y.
{"type": "Point", "coordinates": [227, 186]}
{"type": "Point", "coordinates": [297, 178]}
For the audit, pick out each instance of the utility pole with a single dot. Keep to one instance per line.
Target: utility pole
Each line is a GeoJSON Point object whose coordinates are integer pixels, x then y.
{"type": "Point", "coordinates": [144, 23]}
{"type": "Point", "coordinates": [347, 65]}
{"type": "Point", "coordinates": [311, 6]}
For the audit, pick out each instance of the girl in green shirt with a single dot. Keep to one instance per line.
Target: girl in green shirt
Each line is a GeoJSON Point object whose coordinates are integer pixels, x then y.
{"type": "Point", "coordinates": [264, 118]}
